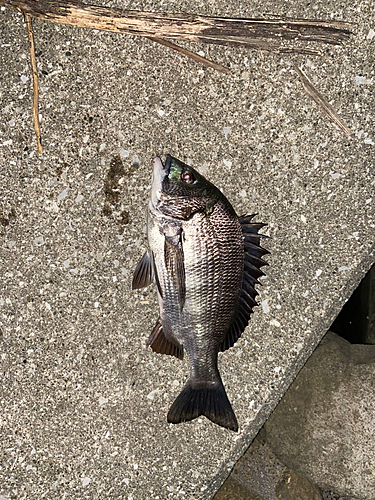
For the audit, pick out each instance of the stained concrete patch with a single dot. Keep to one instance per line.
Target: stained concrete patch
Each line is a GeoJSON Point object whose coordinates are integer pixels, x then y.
{"type": "Point", "coordinates": [116, 176]}
{"type": "Point", "coordinates": [75, 414]}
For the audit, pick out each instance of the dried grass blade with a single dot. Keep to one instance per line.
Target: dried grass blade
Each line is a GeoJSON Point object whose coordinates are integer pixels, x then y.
{"type": "Point", "coordinates": [30, 35]}
{"type": "Point", "coordinates": [191, 55]}
{"type": "Point", "coordinates": [322, 102]}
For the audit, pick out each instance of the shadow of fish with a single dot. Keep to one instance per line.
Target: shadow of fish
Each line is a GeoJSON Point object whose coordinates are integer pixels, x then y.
{"type": "Point", "coordinates": [205, 261]}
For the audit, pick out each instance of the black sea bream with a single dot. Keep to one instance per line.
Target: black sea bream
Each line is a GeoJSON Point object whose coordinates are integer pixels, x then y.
{"type": "Point", "coordinates": [205, 261]}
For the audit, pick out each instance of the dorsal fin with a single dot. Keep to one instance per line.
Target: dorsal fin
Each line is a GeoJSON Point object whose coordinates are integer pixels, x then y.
{"type": "Point", "coordinates": [253, 254]}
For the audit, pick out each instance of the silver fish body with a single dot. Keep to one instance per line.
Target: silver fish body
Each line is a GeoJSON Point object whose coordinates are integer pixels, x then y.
{"type": "Point", "coordinates": [198, 256]}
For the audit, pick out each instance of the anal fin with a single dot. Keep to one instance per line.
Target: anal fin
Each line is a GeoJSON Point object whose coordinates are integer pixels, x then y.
{"type": "Point", "coordinates": [159, 342]}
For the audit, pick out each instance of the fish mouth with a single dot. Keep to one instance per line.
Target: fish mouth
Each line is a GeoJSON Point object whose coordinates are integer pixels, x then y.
{"type": "Point", "coordinates": [160, 167]}
{"type": "Point", "coordinates": [160, 172]}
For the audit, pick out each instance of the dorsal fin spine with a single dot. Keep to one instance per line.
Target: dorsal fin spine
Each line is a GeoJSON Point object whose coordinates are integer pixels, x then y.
{"type": "Point", "coordinates": [253, 254]}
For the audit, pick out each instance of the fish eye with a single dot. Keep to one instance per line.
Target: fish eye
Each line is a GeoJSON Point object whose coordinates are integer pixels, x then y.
{"type": "Point", "coordinates": [187, 177]}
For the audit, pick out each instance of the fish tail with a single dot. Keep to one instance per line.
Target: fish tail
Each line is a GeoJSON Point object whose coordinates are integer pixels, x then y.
{"type": "Point", "coordinates": [203, 398]}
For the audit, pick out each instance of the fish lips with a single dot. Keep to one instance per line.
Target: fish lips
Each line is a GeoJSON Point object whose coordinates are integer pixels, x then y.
{"type": "Point", "coordinates": [159, 174]}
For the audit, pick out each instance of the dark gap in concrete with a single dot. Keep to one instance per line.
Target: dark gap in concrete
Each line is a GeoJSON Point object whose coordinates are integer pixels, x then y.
{"type": "Point", "coordinates": [356, 321]}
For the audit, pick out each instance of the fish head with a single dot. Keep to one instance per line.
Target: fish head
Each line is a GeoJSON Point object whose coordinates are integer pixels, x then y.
{"type": "Point", "coordinates": [179, 191]}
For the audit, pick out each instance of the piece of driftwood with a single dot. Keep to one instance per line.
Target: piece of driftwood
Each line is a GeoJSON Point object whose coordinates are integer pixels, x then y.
{"type": "Point", "coordinates": [215, 30]}
{"type": "Point", "coordinates": [30, 35]}
{"type": "Point", "coordinates": [162, 27]}
{"type": "Point", "coordinates": [323, 104]}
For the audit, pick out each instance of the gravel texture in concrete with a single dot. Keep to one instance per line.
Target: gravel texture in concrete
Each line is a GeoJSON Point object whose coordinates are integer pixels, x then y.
{"type": "Point", "coordinates": [83, 404]}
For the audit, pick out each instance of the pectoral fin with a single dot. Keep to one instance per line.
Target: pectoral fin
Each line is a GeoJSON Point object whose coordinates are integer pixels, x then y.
{"type": "Point", "coordinates": [174, 263]}
{"type": "Point", "coordinates": [145, 272]}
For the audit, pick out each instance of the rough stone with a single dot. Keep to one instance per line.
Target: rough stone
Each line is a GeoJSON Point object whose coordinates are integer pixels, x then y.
{"type": "Point", "coordinates": [260, 475]}
{"type": "Point", "coordinates": [332, 495]}
{"type": "Point", "coordinates": [325, 424]}
{"type": "Point", "coordinates": [235, 490]}
{"type": "Point", "coordinates": [294, 486]}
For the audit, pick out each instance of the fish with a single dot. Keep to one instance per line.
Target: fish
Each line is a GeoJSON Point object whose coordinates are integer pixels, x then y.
{"type": "Point", "coordinates": [205, 261]}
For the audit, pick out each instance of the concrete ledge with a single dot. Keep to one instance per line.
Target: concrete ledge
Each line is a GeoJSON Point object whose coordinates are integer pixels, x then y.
{"type": "Point", "coordinates": [83, 404]}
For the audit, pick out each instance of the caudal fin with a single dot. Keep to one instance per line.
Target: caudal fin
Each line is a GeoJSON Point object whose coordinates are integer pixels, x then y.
{"type": "Point", "coordinates": [203, 398]}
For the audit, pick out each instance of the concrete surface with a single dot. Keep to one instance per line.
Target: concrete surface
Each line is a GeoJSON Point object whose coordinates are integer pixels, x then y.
{"type": "Point", "coordinates": [83, 404]}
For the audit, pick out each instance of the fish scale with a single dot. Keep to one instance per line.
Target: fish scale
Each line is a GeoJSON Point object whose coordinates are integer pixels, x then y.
{"type": "Point", "coordinates": [202, 262]}
{"type": "Point", "coordinates": [205, 261]}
